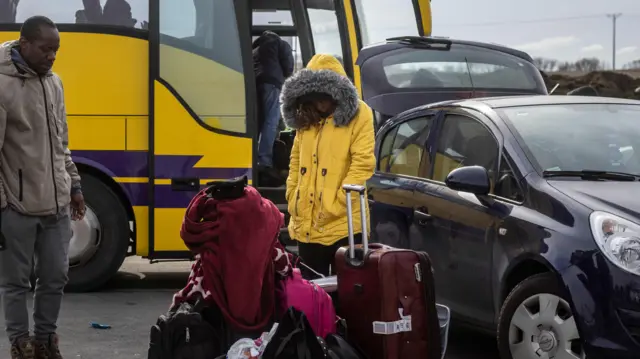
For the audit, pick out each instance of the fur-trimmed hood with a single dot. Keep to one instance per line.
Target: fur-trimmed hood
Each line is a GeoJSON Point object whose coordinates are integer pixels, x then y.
{"type": "Point", "coordinates": [323, 74]}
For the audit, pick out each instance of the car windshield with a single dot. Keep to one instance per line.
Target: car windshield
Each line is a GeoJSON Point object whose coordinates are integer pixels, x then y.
{"type": "Point", "coordinates": [578, 137]}
{"type": "Point", "coordinates": [462, 66]}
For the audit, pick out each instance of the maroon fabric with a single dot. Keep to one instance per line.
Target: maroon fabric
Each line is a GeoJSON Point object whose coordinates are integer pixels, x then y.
{"type": "Point", "coordinates": [237, 256]}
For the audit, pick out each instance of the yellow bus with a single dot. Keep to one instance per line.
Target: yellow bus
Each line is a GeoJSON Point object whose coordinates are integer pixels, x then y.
{"type": "Point", "coordinates": [161, 100]}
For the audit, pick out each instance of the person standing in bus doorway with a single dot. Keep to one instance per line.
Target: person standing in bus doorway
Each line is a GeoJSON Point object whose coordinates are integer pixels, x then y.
{"type": "Point", "coordinates": [40, 191]}
{"type": "Point", "coordinates": [334, 146]}
{"type": "Point", "coordinates": [273, 63]}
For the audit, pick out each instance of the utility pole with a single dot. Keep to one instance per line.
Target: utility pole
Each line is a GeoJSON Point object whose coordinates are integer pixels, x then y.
{"type": "Point", "coordinates": [614, 17]}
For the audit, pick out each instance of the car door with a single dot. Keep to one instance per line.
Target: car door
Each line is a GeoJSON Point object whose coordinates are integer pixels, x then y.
{"type": "Point", "coordinates": [456, 228]}
{"type": "Point", "coordinates": [400, 153]}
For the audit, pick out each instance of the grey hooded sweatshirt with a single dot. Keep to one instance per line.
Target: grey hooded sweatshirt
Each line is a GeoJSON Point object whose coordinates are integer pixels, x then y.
{"type": "Point", "coordinates": [36, 170]}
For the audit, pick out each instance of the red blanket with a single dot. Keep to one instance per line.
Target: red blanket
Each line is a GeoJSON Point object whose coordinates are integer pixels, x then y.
{"type": "Point", "coordinates": [237, 255]}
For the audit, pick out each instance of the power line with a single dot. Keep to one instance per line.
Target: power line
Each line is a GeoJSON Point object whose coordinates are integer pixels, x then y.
{"type": "Point", "coordinates": [535, 21]}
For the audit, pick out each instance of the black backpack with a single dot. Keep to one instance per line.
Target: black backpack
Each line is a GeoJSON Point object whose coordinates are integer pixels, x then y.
{"type": "Point", "coordinates": [183, 333]}
{"type": "Point", "coordinates": [294, 339]}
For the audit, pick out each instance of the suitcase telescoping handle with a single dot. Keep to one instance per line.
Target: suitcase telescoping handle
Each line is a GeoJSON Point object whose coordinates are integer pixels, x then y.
{"type": "Point", "coordinates": [348, 188]}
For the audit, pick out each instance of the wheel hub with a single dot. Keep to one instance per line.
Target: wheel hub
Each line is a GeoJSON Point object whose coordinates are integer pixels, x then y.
{"type": "Point", "coordinates": [543, 327]}
{"type": "Point", "coordinates": [547, 341]}
{"type": "Point", "coordinates": [85, 238]}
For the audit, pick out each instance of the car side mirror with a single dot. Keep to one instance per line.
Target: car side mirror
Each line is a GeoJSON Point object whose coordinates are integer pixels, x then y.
{"type": "Point", "coordinates": [472, 179]}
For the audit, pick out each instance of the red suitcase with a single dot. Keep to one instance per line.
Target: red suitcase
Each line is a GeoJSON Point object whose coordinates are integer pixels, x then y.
{"type": "Point", "coordinates": [386, 296]}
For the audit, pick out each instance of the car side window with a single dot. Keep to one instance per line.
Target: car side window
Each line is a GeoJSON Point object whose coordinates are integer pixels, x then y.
{"type": "Point", "coordinates": [464, 142]}
{"type": "Point", "coordinates": [507, 185]}
{"type": "Point", "coordinates": [403, 148]}
{"type": "Point", "coordinates": [408, 147]}
{"type": "Point", "coordinates": [385, 150]}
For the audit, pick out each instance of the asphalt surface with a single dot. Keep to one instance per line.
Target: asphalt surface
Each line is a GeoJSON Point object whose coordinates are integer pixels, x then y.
{"type": "Point", "coordinates": [131, 303]}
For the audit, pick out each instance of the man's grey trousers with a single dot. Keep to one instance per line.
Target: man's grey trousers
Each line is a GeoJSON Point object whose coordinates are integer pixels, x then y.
{"type": "Point", "coordinates": [45, 239]}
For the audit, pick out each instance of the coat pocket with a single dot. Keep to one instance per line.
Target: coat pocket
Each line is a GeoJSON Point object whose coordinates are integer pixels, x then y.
{"type": "Point", "coordinates": [295, 208]}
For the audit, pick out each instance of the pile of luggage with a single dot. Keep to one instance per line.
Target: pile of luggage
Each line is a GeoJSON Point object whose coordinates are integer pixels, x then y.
{"type": "Point", "coordinates": [241, 303]}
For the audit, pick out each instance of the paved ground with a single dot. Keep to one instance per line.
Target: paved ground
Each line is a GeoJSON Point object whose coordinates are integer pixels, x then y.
{"type": "Point", "coordinates": [133, 301]}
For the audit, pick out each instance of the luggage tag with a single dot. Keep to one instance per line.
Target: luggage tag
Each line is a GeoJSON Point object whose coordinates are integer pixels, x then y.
{"type": "Point", "coordinates": [398, 326]}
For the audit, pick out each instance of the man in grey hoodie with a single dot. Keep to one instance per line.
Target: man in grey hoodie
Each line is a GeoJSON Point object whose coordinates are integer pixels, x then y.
{"type": "Point", "coordinates": [40, 189]}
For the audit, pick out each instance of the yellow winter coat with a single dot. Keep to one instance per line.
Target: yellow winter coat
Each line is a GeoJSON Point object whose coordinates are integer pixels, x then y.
{"type": "Point", "coordinates": [339, 151]}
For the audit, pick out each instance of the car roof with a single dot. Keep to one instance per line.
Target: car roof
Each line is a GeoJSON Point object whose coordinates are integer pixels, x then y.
{"type": "Point", "coordinates": [513, 101]}
{"type": "Point", "coordinates": [539, 100]}
{"type": "Point", "coordinates": [526, 100]}
{"type": "Point", "coordinates": [418, 41]}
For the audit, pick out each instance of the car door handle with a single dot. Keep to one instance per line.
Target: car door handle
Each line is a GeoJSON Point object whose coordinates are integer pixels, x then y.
{"type": "Point", "coordinates": [422, 216]}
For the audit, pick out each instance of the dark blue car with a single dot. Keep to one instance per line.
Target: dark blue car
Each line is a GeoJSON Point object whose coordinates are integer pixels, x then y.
{"type": "Point", "coordinates": [529, 207]}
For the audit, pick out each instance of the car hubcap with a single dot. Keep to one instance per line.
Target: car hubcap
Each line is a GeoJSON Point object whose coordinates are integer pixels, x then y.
{"type": "Point", "coordinates": [85, 238]}
{"type": "Point", "coordinates": [543, 327]}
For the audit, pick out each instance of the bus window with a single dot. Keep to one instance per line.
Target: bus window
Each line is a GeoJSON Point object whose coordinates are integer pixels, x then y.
{"type": "Point", "coordinates": [326, 32]}
{"type": "Point", "coordinates": [374, 15]}
{"type": "Point", "coordinates": [275, 19]}
{"type": "Point", "coordinates": [295, 48]}
{"type": "Point", "coordinates": [125, 13]}
{"type": "Point", "coordinates": [200, 59]}
{"type": "Point", "coordinates": [272, 17]}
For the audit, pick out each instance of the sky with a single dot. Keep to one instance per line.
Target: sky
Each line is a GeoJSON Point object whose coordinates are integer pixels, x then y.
{"type": "Point", "coordinates": [566, 40]}
{"type": "Point", "coordinates": [566, 30]}
{"type": "Point", "coordinates": [532, 26]}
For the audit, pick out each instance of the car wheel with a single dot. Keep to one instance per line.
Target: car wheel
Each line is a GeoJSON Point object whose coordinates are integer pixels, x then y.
{"type": "Point", "coordinates": [536, 322]}
{"type": "Point", "coordinates": [100, 240]}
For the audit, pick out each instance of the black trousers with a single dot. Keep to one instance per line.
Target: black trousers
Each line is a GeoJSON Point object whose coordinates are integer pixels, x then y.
{"type": "Point", "coordinates": [321, 258]}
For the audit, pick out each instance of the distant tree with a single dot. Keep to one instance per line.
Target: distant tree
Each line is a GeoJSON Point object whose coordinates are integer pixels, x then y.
{"type": "Point", "coordinates": [539, 62]}
{"type": "Point", "coordinates": [633, 65]}
{"type": "Point", "coordinates": [566, 66]}
{"type": "Point", "coordinates": [588, 64]}
{"type": "Point", "coordinates": [545, 64]}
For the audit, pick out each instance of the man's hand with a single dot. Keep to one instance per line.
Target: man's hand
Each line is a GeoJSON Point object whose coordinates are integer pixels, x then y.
{"type": "Point", "coordinates": [77, 206]}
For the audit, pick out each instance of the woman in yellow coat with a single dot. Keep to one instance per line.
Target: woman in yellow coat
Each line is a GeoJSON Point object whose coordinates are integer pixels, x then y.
{"type": "Point", "coordinates": [334, 145]}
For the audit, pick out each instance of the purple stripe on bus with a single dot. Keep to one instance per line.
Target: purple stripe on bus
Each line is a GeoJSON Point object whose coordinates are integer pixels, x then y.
{"type": "Point", "coordinates": [120, 163]}
{"type": "Point", "coordinates": [168, 198]}
{"type": "Point", "coordinates": [182, 166]}
{"type": "Point", "coordinates": [165, 197]}
{"type": "Point", "coordinates": [138, 193]}
{"type": "Point", "coordinates": [134, 164]}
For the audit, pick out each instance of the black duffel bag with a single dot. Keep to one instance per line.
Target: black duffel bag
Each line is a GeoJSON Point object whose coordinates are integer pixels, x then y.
{"type": "Point", "coordinates": [183, 333]}
{"type": "Point", "coordinates": [294, 339]}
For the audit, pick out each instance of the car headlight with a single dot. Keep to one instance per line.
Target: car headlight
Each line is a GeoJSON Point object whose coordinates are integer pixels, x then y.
{"type": "Point", "coordinates": [619, 240]}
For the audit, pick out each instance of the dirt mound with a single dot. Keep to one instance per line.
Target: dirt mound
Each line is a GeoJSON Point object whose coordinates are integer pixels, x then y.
{"type": "Point", "coordinates": [607, 83]}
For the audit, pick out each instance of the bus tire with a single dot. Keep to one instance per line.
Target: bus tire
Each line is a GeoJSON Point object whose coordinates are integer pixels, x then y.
{"type": "Point", "coordinates": [96, 254]}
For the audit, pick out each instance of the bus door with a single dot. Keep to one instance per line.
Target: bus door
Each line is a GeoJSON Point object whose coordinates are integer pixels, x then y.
{"type": "Point", "coordinates": [279, 16]}
{"type": "Point", "coordinates": [310, 26]}
{"type": "Point", "coordinates": [372, 20]}
{"type": "Point", "coordinates": [199, 130]}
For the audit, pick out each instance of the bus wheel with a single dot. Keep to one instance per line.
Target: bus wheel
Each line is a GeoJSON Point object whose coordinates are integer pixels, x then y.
{"type": "Point", "coordinates": [100, 240]}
